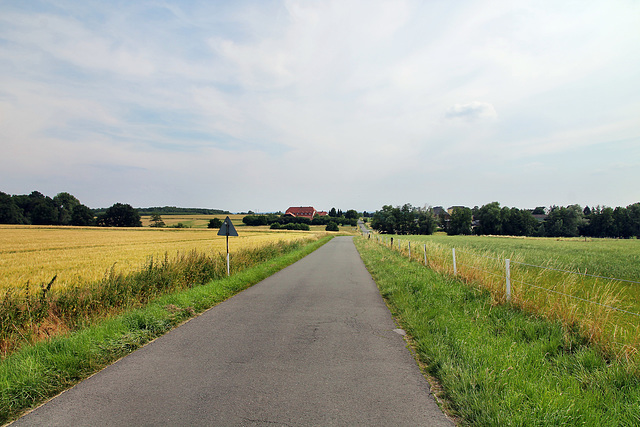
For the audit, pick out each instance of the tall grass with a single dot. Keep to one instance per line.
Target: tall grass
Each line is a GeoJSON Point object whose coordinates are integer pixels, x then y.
{"type": "Point", "coordinates": [497, 364]}
{"type": "Point", "coordinates": [604, 311]}
{"type": "Point", "coordinates": [28, 316]}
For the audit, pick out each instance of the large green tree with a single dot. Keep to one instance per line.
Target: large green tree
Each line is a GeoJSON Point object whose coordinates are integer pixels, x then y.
{"type": "Point", "coordinates": [65, 203]}
{"type": "Point", "coordinates": [352, 214]}
{"type": "Point", "coordinates": [404, 220]}
{"type": "Point", "coordinates": [490, 217]}
{"type": "Point", "coordinates": [82, 216]}
{"type": "Point", "coordinates": [120, 215]}
{"type": "Point", "coordinates": [10, 213]}
{"type": "Point", "coordinates": [460, 222]}
{"type": "Point", "coordinates": [564, 222]}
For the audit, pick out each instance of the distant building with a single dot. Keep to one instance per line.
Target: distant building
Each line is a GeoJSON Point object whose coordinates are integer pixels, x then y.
{"type": "Point", "coordinates": [302, 211]}
{"type": "Point", "coordinates": [439, 211]}
{"type": "Point", "coordinates": [450, 209]}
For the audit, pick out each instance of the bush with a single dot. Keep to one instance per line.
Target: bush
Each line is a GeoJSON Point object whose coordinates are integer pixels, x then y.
{"type": "Point", "coordinates": [120, 215]}
{"type": "Point", "coordinates": [215, 223]}
{"type": "Point", "coordinates": [290, 226]}
{"type": "Point", "coordinates": [332, 226]}
{"type": "Point", "coordinates": [254, 220]}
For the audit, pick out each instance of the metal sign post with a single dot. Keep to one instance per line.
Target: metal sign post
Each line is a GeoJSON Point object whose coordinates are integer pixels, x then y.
{"type": "Point", "coordinates": [227, 229]}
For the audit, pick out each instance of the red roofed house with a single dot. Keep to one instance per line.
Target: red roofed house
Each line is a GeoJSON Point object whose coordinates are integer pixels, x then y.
{"type": "Point", "coordinates": [303, 211]}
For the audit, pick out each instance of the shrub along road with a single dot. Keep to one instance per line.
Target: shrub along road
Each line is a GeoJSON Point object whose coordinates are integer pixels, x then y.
{"type": "Point", "coordinates": [311, 345]}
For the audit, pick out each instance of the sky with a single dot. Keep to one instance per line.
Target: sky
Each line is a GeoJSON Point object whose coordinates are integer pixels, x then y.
{"type": "Point", "coordinates": [261, 105]}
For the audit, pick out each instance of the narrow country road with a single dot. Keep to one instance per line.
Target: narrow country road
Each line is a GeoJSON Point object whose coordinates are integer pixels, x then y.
{"type": "Point", "coordinates": [313, 345]}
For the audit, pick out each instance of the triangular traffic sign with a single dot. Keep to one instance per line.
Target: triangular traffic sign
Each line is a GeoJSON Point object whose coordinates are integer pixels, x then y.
{"type": "Point", "coordinates": [227, 228]}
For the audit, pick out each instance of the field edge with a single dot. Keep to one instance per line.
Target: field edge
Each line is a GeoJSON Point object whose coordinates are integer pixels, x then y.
{"type": "Point", "coordinates": [35, 374]}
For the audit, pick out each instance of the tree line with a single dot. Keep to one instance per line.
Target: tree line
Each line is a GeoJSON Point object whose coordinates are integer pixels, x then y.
{"type": "Point", "coordinates": [173, 210]}
{"type": "Point", "coordinates": [404, 220]}
{"type": "Point", "coordinates": [492, 219]}
{"type": "Point", "coordinates": [349, 217]}
{"type": "Point", "coordinates": [63, 209]}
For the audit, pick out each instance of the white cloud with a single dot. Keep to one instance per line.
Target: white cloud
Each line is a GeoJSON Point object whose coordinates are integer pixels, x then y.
{"type": "Point", "coordinates": [69, 40]}
{"type": "Point", "coordinates": [388, 90]}
{"type": "Point", "coordinates": [471, 111]}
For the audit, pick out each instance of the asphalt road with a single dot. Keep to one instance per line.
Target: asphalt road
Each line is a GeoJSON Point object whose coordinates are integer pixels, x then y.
{"type": "Point", "coordinates": [313, 345]}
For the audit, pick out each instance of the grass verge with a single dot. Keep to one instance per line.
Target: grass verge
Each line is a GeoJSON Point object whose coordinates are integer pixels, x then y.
{"type": "Point", "coordinates": [604, 310]}
{"type": "Point", "coordinates": [31, 315]}
{"type": "Point", "coordinates": [496, 364]}
{"type": "Point", "coordinates": [37, 372]}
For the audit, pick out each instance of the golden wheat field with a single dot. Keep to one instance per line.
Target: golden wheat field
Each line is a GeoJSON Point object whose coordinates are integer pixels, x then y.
{"type": "Point", "coordinates": [77, 255]}
{"type": "Point", "coordinates": [192, 221]}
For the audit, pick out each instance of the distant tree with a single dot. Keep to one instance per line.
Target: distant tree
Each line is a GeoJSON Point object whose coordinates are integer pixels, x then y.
{"type": "Point", "coordinates": [65, 203]}
{"type": "Point", "coordinates": [404, 220]}
{"type": "Point", "coordinates": [43, 210]}
{"type": "Point", "coordinates": [460, 222]}
{"type": "Point", "coordinates": [526, 223]}
{"type": "Point", "coordinates": [426, 222]}
{"type": "Point", "coordinates": [490, 218]}
{"type": "Point", "coordinates": [156, 221]}
{"type": "Point", "coordinates": [352, 214]}
{"type": "Point", "coordinates": [603, 223]}
{"type": "Point", "coordinates": [333, 213]}
{"type": "Point", "coordinates": [172, 210]}
{"type": "Point", "coordinates": [290, 226]}
{"type": "Point", "coordinates": [539, 211]}
{"type": "Point", "coordinates": [215, 223]}
{"type": "Point", "coordinates": [633, 216]}
{"type": "Point", "coordinates": [120, 215]}
{"type": "Point", "coordinates": [442, 219]}
{"type": "Point", "coordinates": [505, 221]}
{"type": "Point", "coordinates": [321, 220]}
{"type": "Point", "coordinates": [564, 222]}
{"type": "Point", "coordinates": [332, 226]}
{"type": "Point", "coordinates": [254, 220]}
{"type": "Point", "coordinates": [622, 222]}
{"type": "Point", "coordinates": [82, 216]}
{"type": "Point", "coordinates": [406, 223]}
{"type": "Point", "coordinates": [10, 213]}
{"type": "Point", "coordinates": [384, 220]}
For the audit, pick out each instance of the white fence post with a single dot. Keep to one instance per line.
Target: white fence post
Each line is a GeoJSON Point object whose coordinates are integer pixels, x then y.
{"type": "Point", "coordinates": [425, 254]}
{"type": "Point", "coordinates": [508, 270]}
{"type": "Point", "coordinates": [455, 269]}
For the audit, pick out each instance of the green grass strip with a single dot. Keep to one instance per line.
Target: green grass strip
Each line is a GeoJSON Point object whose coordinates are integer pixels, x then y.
{"type": "Point", "coordinates": [497, 365]}
{"type": "Point", "coordinates": [36, 373]}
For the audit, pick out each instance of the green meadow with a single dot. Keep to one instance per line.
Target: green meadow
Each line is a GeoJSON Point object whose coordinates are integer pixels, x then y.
{"type": "Point", "coordinates": [618, 258]}
{"type": "Point", "coordinates": [495, 364]}
{"type": "Point", "coordinates": [562, 279]}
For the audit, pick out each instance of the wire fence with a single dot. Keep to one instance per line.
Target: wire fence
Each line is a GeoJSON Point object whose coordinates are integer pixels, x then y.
{"type": "Point", "coordinates": [603, 305]}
